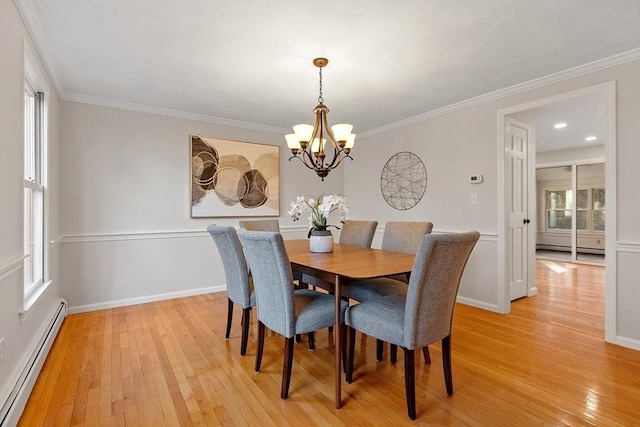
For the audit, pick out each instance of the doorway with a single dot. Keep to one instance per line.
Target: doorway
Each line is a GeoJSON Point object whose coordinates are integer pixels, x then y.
{"type": "Point", "coordinates": [607, 93]}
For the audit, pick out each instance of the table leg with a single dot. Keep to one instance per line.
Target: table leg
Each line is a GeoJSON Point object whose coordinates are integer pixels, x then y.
{"type": "Point", "coordinates": [338, 347]}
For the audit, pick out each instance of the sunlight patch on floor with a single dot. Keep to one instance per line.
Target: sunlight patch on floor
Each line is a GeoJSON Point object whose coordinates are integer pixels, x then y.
{"type": "Point", "coordinates": [557, 268]}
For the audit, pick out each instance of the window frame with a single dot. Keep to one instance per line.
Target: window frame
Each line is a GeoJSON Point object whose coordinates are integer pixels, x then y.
{"type": "Point", "coordinates": [590, 209]}
{"type": "Point", "coordinates": [34, 237]}
{"type": "Point", "coordinates": [33, 81]}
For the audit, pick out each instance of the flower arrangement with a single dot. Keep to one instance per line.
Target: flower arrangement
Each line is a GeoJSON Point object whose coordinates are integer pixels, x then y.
{"type": "Point", "coordinates": [320, 208]}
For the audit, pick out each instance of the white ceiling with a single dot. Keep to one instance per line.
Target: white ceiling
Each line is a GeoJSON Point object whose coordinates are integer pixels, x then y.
{"type": "Point", "coordinates": [584, 116]}
{"type": "Point", "coordinates": [250, 61]}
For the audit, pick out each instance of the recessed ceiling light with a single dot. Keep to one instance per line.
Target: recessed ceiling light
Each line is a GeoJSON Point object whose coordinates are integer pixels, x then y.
{"type": "Point", "coordinates": [590, 138]}
{"type": "Point", "coordinates": [560, 125]}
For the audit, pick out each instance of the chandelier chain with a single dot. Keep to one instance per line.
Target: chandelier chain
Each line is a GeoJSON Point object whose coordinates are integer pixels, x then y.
{"type": "Point", "coordinates": [320, 98]}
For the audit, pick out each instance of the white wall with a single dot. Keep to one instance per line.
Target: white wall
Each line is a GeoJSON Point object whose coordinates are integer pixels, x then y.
{"type": "Point", "coordinates": [463, 143]}
{"type": "Point", "coordinates": [20, 337]}
{"type": "Point", "coordinates": [125, 196]}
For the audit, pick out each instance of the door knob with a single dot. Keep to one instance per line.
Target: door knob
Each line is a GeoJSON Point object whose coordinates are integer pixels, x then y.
{"type": "Point", "coordinates": [526, 221]}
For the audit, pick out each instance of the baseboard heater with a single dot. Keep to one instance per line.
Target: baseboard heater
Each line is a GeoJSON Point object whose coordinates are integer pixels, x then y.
{"type": "Point", "coordinates": [17, 400]}
{"type": "Point", "coordinates": [579, 249]}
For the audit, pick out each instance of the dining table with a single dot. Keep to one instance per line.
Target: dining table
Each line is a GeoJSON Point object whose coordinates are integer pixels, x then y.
{"type": "Point", "coordinates": [345, 264]}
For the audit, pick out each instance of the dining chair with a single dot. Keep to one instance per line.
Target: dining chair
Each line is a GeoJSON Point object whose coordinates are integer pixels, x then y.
{"type": "Point", "coordinates": [239, 283]}
{"type": "Point", "coordinates": [281, 308]}
{"type": "Point", "coordinates": [260, 225]}
{"type": "Point", "coordinates": [266, 225]}
{"type": "Point", "coordinates": [274, 226]}
{"type": "Point", "coordinates": [353, 232]}
{"type": "Point", "coordinates": [399, 236]}
{"type": "Point", "coordinates": [424, 315]}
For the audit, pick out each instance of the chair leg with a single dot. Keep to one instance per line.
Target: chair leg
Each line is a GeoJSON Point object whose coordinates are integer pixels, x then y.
{"type": "Point", "coordinates": [260, 345]}
{"type": "Point", "coordinates": [343, 346]}
{"type": "Point", "coordinates": [298, 338]}
{"type": "Point", "coordinates": [246, 317]}
{"type": "Point", "coordinates": [351, 344]}
{"type": "Point", "coordinates": [229, 317]}
{"type": "Point", "coordinates": [287, 366]}
{"type": "Point", "coordinates": [426, 354]}
{"type": "Point", "coordinates": [312, 341]}
{"type": "Point", "coordinates": [446, 363]}
{"type": "Point", "coordinates": [393, 353]}
{"type": "Point", "coordinates": [379, 348]}
{"type": "Point", "coordinates": [410, 381]}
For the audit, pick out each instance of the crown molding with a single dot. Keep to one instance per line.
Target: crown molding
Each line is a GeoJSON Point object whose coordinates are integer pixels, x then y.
{"type": "Point", "coordinates": [34, 27]}
{"type": "Point", "coordinates": [105, 102]}
{"type": "Point", "coordinates": [600, 64]}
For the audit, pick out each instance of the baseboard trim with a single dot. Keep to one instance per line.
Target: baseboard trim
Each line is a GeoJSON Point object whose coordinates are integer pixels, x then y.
{"type": "Point", "coordinates": [145, 299]}
{"type": "Point", "coordinates": [478, 304]}
{"type": "Point", "coordinates": [16, 401]}
{"type": "Point", "coordinates": [627, 342]}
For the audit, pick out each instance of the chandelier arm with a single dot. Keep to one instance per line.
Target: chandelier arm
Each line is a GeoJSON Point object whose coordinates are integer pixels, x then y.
{"type": "Point", "coordinates": [317, 125]}
{"type": "Point", "coordinates": [295, 156]}
{"type": "Point", "coordinates": [307, 159]}
{"type": "Point", "coordinates": [336, 147]}
{"type": "Point", "coordinates": [344, 156]}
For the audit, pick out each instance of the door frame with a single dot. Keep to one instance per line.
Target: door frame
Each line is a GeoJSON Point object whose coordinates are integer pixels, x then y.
{"type": "Point", "coordinates": [503, 291]}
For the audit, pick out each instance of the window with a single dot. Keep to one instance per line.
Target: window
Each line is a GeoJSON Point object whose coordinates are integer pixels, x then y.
{"type": "Point", "coordinates": [33, 189]}
{"type": "Point", "coordinates": [589, 209]}
{"type": "Point", "coordinates": [598, 209]}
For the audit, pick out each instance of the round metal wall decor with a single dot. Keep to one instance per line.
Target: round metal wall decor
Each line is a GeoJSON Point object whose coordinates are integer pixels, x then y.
{"type": "Point", "coordinates": [403, 180]}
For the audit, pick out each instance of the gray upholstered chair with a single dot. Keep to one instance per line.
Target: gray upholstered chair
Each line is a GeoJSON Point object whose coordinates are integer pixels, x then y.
{"type": "Point", "coordinates": [424, 315]}
{"type": "Point", "coordinates": [356, 233]}
{"type": "Point", "coordinates": [280, 308]}
{"type": "Point", "coordinates": [239, 284]}
{"type": "Point", "coordinates": [274, 226]}
{"type": "Point", "coordinates": [265, 225]}
{"type": "Point", "coordinates": [399, 236]}
{"type": "Point", "coordinates": [260, 225]}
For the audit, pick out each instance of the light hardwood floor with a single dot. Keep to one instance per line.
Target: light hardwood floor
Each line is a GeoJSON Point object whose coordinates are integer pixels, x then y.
{"type": "Point", "coordinates": [167, 363]}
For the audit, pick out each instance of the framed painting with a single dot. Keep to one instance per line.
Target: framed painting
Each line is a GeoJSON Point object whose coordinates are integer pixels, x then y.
{"type": "Point", "coordinates": [233, 178]}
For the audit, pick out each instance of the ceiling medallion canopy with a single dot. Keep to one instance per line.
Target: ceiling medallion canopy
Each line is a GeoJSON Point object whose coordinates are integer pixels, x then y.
{"type": "Point", "coordinates": [310, 143]}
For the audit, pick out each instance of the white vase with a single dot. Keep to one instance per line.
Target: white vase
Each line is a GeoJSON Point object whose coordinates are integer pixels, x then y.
{"type": "Point", "coordinates": [321, 241]}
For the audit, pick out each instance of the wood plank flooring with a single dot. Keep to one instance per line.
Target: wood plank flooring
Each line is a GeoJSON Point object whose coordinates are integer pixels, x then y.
{"type": "Point", "coordinates": [168, 364]}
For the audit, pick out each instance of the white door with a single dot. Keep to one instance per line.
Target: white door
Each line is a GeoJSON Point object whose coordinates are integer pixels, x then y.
{"type": "Point", "coordinates": [517, 148]}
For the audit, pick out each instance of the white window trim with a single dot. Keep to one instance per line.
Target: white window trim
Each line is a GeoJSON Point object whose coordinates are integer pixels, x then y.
{"type": "Point", "coordinates": [590, 210]}
{"type": "Point", "coordinates": [34, 79]}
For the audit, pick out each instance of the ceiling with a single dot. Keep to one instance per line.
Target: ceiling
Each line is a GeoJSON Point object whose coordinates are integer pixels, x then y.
{"type": "Point", "coordinates": [584, 117]}
{"type": "Point", "coordinates": [248, 63]}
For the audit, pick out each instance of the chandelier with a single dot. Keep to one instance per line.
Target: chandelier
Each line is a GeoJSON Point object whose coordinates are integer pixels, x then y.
{"type": "Point", "coordinates": [309, 143]}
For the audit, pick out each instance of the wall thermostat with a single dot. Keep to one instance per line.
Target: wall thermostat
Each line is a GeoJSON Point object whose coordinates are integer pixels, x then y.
{"type": "Point", "coordinates": [475, 179]}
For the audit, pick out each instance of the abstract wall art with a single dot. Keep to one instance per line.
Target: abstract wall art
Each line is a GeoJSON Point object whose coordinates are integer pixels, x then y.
{"type": "Point", "coordinates": [233, 178]}
{"type": "Point", "coordinates": [403, 180]}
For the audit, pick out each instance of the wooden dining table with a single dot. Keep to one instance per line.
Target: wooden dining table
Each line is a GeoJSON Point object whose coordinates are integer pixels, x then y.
{"type": "Point", "coordinates": [339, 267]}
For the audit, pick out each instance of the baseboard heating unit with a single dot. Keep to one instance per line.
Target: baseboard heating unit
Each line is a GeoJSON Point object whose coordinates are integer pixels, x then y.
{"type": "Point", "coordinates": [15, 403]}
